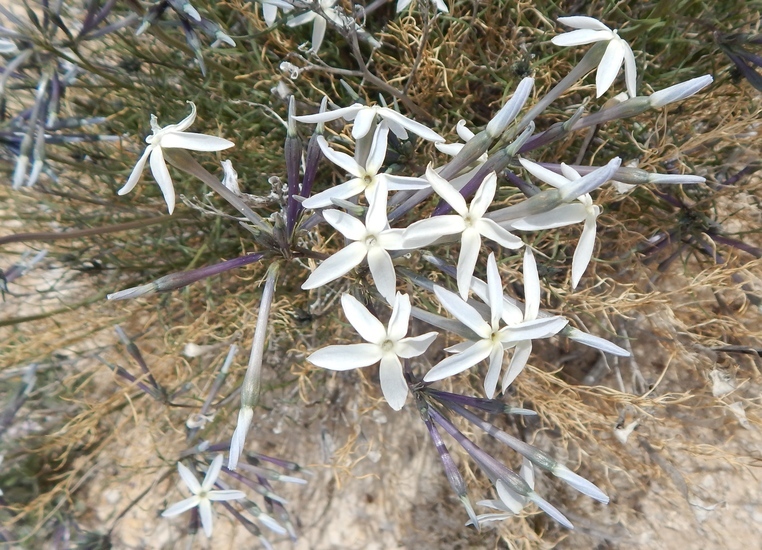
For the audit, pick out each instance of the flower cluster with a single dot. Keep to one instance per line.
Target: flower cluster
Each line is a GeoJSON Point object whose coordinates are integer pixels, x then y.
{"type": "Point", "coordinates": [368, 211]}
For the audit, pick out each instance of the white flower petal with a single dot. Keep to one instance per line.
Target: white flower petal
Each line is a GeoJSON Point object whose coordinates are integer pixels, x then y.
{"type": "Point", "coordinates": [470, 243]}
{"type": "Point", "coordinates": [483, 196]}
{"type": "Point", "coordinates": [532, 330]}
{"type": "Point", "coordinates": [136, 173]}
{"type": "Point", "coordinates": [319, 26]}
{"type": "Point", "coordinates": [543, 174]}
{"type": "Point", "coordinates": [463, 312]}
{"type": "Point", "coordinates": [185, 123]}
{"type": "Point", "coordinates": [630, 70]}
{"type": "Point", "coordinates": [458, 363]}
{"type": "Point", "coordinates": [443, 188]}
{"type": "Point", "coordinates": [584, 251]}
{"type": "Point", "coordinates": [207, 520]}
{"type": "Point", "coordinates": [414, 346]}
{"type": "Point", "coordinates": [595, 342]}
{"type": "Point", "coordinates": [346, 224]}
{"type": "Point", "coordinates": [363, 122]}
{"type": "Point", "coordinates": [336, 266]}
{"type": "Point", "coordinates": [180, 507]}
{"type": "Point", "coordinates": [190, 480]}
{"type": "Point", "coordinates": [493, 373]}
{"type": "Point", "coordinates": [609, 67]}
{"type": "Point", "coordinates": [194, 142]}
{"type": "Point", "coordinates": [376, 219]}
{"type": "Point", "coordinates": [269, 12]}
{"type": "Point", "coordinates": [583, 22]}
{"type": "Point", "coordinates": [424, 232]}
{"type": "Point", "coordinates": [382, 269]}
{"type": "Point", "coordinates": [237, 442]}
{"type": "Point", "coordinates": [400, 318]}
{"type": "Point", "coordinates": [352, 356]}
{"type": "Point", "coordinates": [491, 230]}
{"type": "Point", "coordinates": [584, 36]}
{"type": "Point", "coordinates": [347, 113]}
{"type": "Point", "coordinates": [377, 152]}
{"type": "Point", "coordinates": [531, 286]}
{"type": "Point", "coordinates": [450, 149]}
{"type": "Point", "coordinates": [518, 362]}
{"type": "Point", "coordinates": [212, 473]}
{"type": "Point", "coordinates": [346, 190]}
{"type": "Point", "coordinates": [514, 502]}
{"type": "Point", "coordinates": [416, 127]}
{"type": "Point", "coordinates": [403, 183]}
{"type": "Point", "coordinates": [340, 159]}
{"type": "Point", "coordinates": [580, 483]}
{"type": "Point", "coordinates": [161, 175]}
{"type": "Point", "coordinates": [494, 291]}
{"type": "Point", "coordinates": [363, 321]}
{"type": "Point", "coordinates": [561, 216]}
{"type": "Point", "coordinates": [402, 4]}
{"type": "Point", "coordinates": [393, 384]}
{"type": "Point", "coordinates": [226, 495]}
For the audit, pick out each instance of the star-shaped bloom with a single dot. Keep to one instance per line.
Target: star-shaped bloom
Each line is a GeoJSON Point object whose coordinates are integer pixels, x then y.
{"type": "Point", "coordinates": [469, 221]}
{"type": "Point", "coordinates": [508, 503]}
{"type": "Point", "coordinates": [565, 214]}
{"type": "Point", "coordinates": [371, 240]}
{"type": "Point", "coordinates": [319, 19]}
{"type": "Point", "coordinates": [173, 136]}
{"type": "Point", "coordinates": [591, 30]}
{"type": "Point", "coordinates": [364, 116]}
{"type": "Point", "coordinates": [493, 339]}
{"type": "Point", "coordinates": [203, 495]}
{"type": "Point", "coordinates": [385, 344]}
{"type": "Point", "coordinates": [367, 177]}
{"type": "Point", "coordinates": [440, 5]}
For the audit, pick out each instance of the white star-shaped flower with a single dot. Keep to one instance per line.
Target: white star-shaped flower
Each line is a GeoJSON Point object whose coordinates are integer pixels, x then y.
{"type": "Point", "coordinates": [385, 344]}
{"type": "Point", "coordinates": [591, 30]}
{"type": "Point", "coordinates": [371, 240]}
{"type": "Point", "coordinates": [508, 503]}
{"type": "Point", "coordinates": [367, 177]}
{"type": "Point", "coordinates": [493, 339]}
{"type": "Point", "coordinates": [469, 221]}
{"type": "Point", "coordinates": [565, 214]}
{"type": "Point", "coordinates": [363, 117]}
{"type": "Point", "coordinates": [203, 495]}
{"type": "Point", "coordinates": [173, 136]}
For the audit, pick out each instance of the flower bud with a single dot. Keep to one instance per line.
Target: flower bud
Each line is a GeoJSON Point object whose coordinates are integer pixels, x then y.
{"type": "Point", "coordinates": [679, 92]}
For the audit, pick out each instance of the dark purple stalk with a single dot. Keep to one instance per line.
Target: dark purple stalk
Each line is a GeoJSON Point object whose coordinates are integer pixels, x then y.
{"type": "Point", "coordinates": [134, 352]}
{"type": "Point", "coordinates": [493, 406]}
{"type": "Point", "coordinates": [293, 152]}
{"type": "Point", "coordinates": [451, 470]}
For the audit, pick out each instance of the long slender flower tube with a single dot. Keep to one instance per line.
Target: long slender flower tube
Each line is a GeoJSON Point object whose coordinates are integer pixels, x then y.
{"type": "Point", "coordinates": [512, 489]}
{"type": "Point", "coordinates": [176, 281]}
{"type": "Point", "coordinates": [169, 137]}
{"type": "Point", "coordinates": [252, 382]}
{"type": "Point", "coordinates": [469, 221]}
{"type": "Point", "coordinates": [366, 178]}
{"type": "Point", "coordinates": [386, 345]}
{"type": "Point", "coordinates": [536, 456]}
